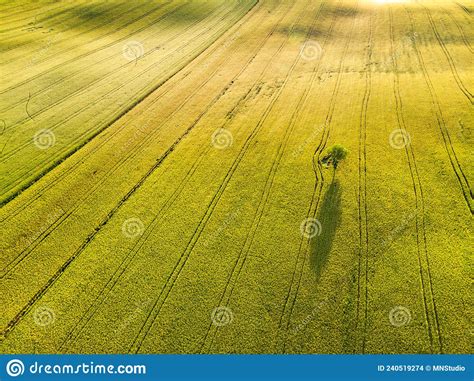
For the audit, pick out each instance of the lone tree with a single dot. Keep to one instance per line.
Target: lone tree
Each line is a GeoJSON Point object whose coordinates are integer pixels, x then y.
{"type": "Point", "coordinates": [334, 156]}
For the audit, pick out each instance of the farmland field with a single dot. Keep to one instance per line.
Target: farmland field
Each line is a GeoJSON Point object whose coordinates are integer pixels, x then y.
{"type": "Point", "coordinates": [163, 188]}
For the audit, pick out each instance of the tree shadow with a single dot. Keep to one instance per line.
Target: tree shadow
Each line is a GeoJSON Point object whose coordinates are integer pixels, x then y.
{"type": "Point", "coordinates": [329, 216]}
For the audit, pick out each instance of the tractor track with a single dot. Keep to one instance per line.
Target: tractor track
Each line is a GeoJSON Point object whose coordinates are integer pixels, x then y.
{"type": "Point", "coordinates": [240, 262]}
{"type": "Point", "coordinates": [426, 284]}
{"type": "Point", "coordinates": [29, 10]}
{"type": "Point", "coordinates": [172, 278]}
{"type": "Point", "coordinates": [45, 19]}
{"type": "Point", "coordinates": [462, 179]}
{"type": "Point", "coordinates": [48, 37]}
{"type": "Point", "coordinates": [101, 78]}
{"type": "Point", "coordinates": [315, 198]}
{"type": "Point", "coordinates": [461, 31]}
{"type": "Point", "coordinates": [452, 65]}
{"type": "Point", "coordinates": [15, 321]}
{"type": "Point", "coordinates": [362, 204]}
{"type": "Point", "coordinates": [100, 145]}
{"type": "Point", "coordinates": [95, 133]}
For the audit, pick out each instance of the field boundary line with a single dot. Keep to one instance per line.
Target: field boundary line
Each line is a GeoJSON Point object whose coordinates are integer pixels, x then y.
{"type": "Point", "coordinates": [14, 322]}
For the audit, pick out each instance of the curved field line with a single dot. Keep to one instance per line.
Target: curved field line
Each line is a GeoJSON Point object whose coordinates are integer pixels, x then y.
{"type": "Point", "coordinates": [100, 79]}
{"type": "Point", "coordinates": [452, 66]}
{"type": "Point", "coordinates": [431, 317]}
{"type": "Point", "coordinates": [243, 254]}
{"type": "Point", "coordinates": [29, 10]}
{"type": "Point", "coordinates": [88, 53]}
{"type": "Point", "coordinates": [172, 278]}
{"type": "Point", "coordinates": [15, 262]}
{"type": "Point", "coordinates": [461, 31]}
{"type": "Point", "coordinates": [462, 179]}
{"type": "Point", "coordinates": [464, 9]}
{"type": "Point", "coordinates": [70, 75]}
{"type": "Point", "coordinates": [48, 37]}
{"type": "Point", "coordinates": [8, 9]}
{"type": "Point", "coordinates": [46, 18]}
{"type": "Point", "coordinates": [111, 73]}
{"type": "Point", "coordinates": [69, 150]}
{"type": "Point", "coordinates": [362, 205]}
{"type": "Point", "coordinates": [93, 29]}
{"type": "Point", "coordinates": [88, 67]}
{"type": "Point", "coordinates": [101, 144]}
{"type": "Point", "coordinates": [315, 198]}
{"type": "Point", "coordinates": [60, 219]}
{"type": "Point", "coordinates": [15, 321]}
{"type": "Point", "coordinates": [87, 316]}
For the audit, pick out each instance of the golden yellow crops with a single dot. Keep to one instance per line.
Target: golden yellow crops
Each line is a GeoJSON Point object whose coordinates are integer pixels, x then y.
{"type": "Point", "coordinates": [163, 189]}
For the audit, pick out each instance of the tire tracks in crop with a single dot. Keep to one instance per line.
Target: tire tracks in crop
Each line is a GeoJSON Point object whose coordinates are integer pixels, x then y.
{"type": "Point", "coordinates": [240, 262]}
{"type": "Point", "coordinates": [88, 53]}
{"type": "Point", "coordinates": [72, 147]}
{"type": "Point", "coordinates": [464, 9]}
{"type": "Point", "coordinates": [461, 31]}
{"type": "Point", "coordinates": [172, 278]}
{"type": "Point", "coordinates": [68, 171]}
{"type": "Point", "coordinates": [29, 10]}
{"type": "Point", "coordinates": [298, 270]}
{"type": "Point", "coordinates": [452, 65]}
{"type": "Point", "coordinates": [104, 77]}
{"type": "Point", "coordinates": [45, 19]}
{"type": "Point", "coordinates": [363, 258]}
{"type": "Point", "coordinates": [74, 26]}
{"type": "Point", "coordinates": [426, 284]}
{"type": "Point", "coordinates": [112, 281]}
{"type": "Point", "coordinates": [10, 267]}
{"type": "Point", "coordinates": [462, 179]}
{"type": "Point", "coordinates": [16, 320]}
{"type": "Point", "coordinates": [101, 78]}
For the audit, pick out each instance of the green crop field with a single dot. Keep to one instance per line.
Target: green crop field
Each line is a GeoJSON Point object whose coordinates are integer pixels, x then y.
{"type": "Point", "coordinates": [165, 184]}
